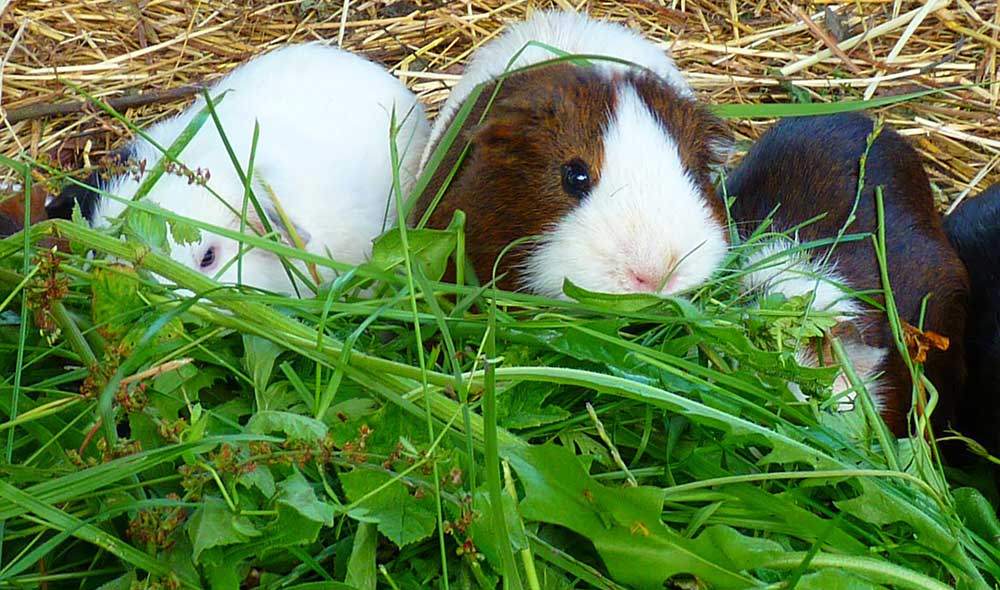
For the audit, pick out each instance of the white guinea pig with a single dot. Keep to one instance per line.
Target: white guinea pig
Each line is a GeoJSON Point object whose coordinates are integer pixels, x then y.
{"type": "Point", "coordinates": [609, 163]}
{"type": "Point", "coordinates": [323, 151]}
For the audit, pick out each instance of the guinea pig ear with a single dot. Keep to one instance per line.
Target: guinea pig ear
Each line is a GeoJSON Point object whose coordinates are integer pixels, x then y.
{"type": "Point", "coordinates": [719, 142]}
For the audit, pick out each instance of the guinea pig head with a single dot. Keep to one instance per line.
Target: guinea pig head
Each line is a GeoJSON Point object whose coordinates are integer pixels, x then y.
{"type": "Point", "coordinates": [610, 169]}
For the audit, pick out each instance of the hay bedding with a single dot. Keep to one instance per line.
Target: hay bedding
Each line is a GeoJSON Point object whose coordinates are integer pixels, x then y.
{"type": "Point", "coordinates": [734, 52]}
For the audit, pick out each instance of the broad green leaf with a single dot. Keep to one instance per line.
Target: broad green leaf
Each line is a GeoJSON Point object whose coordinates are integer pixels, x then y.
{"type": "Point", "coordinates": [294, 426]}
{"type": "Point", "coordinates": [625, 526]}
{"type": "Point", "coordinates": [213, 524]}
{"type": "Point", "coordinates": [298, 494]}
{"type": "Point", "coordinates": [361, 566]}
{"type": "Point", "coordinates": [402, 516]}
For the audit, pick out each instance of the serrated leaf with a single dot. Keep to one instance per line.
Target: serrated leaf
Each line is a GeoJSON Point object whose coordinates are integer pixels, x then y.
{"type": "Point", "coordinates": [402, 517]}
{"type": "Point", "coordinates": [213, 524]}
{"type": "Point", "coordinates": [297, 493]}
{"type": "Point", "coordinates": [148, 229]}
{"type": "Point", "coordinates": [183, 233]}
{"type": "Point", "coordinates": [294, 426]}
{"type": "Point", "coordinates": [115, 301]}
{"type": "Point", "coordinates": [430, 248]}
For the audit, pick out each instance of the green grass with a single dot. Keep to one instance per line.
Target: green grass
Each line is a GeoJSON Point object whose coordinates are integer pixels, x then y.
{"type": "Point", "coordinates": [400, 432]}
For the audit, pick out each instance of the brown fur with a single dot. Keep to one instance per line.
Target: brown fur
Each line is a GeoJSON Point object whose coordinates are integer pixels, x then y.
{"type": "Point", "coordinates": [810, 167]}
{"type": "Point", "coordinates": [509, 184]}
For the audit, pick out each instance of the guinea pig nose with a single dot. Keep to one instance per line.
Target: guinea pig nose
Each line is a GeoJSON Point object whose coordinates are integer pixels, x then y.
{"type": "Point", "coordinates": [643, 281]}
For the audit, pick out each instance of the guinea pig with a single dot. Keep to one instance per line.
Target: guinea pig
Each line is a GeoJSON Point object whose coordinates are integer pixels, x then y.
{"type": "Point", "coordinates": [12, 213]}
{"type": "Point", "coordinates": [804, 168]}
{"type": "Point", "coordinates": [974, 230]}
{"type": "Point", "coordinates": [609, 164]}
{"type": "Point", "coordinates": [323, 151]}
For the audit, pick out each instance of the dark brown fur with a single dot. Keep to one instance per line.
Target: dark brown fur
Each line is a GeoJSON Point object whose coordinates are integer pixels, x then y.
{"type": "Point", "coordinates": [810, 166]}
{"type": "Point", "coordinates": [509, 184]}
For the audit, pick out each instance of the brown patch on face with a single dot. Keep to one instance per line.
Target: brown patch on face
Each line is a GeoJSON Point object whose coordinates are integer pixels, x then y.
{"type": "Point", "coordinates": [510, 182]}
{"type": "Point", "coordinates": [701, 137]}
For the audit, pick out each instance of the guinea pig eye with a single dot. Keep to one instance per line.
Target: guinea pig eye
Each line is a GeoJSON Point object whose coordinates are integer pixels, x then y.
{"type": "Point", "coordinates": [576, 178]}
{"type": "Point", "coordinates": [207, 259]}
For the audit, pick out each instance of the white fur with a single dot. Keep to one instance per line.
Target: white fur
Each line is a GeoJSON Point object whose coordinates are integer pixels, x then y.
{"type": "Point", "coordinates": [646, 216]}
{"type": "Point", "coordinates": [780, 266]}
{"type": "Point", "coordinates": [575, 33]}
{"type": "Point", "coordinates": [324, 117]}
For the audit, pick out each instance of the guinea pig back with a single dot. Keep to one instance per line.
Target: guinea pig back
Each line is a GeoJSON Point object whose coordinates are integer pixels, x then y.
{"type": "Point", "coordinates": [806, 167]}
{"type": "Point", "coordinates": [974, 229]}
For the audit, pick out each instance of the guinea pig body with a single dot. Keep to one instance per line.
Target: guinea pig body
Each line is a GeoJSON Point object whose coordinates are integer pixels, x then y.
{"type": "Point", "coordinates": [609, 164]}
{"type": "Point", "coordinates": [322, 154]}
{"type": "Point", "coordinates": [974, 230]}
{"type": "Point", "coordinates": [805, 168]}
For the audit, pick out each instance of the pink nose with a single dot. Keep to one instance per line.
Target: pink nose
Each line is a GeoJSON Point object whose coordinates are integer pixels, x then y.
{"type": "Point", "coordinates": [646, 282]}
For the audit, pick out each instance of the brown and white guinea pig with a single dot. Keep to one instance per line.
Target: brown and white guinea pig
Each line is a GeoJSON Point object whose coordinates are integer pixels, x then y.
{"type": "Point", "coordinates": [12, 213]}
{"type": "Point", "coordinates": [974, 230]}
{"type": "Point", "coordinates": [808, 167]}
{"type": "Point", "coordinates": [609, 164]}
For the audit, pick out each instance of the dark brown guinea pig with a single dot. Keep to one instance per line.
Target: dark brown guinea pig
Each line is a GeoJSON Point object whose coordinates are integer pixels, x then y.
{"type": "Point", "coordinates": [609, 164]}
{"type": "Point", "coordinates": [974, 230]}
{"type": "Point", "coordinates": [808, 167]}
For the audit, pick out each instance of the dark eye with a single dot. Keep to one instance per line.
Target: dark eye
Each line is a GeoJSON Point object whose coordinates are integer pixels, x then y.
{"type": "Point", "coordinates": [576, 178]}
{"type": "Point", "coordinates": [208, 259]}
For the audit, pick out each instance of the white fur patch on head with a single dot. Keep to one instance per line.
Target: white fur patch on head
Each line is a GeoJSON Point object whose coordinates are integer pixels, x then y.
{"type": "Point", "coordinates": [572, 32]}
{"type": "Point", "coordinates": [645, 225]}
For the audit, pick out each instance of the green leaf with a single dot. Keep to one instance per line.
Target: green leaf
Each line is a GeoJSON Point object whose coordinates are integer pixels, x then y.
{"type": "Point", "coordinates": [213, 524]}
{"type": "Point", "coordinates": [258, 359]}
{"type": "Point", "coordinates": [148, 229]}
{"type": "Point", "coordinates": [627, 302]}
{"type": "Point", "coordinates": [361, 572]}
{"type": "Point", "coordinates": [115, 301]}
{"type": "Point", "coordinates": [977, 514]}
{"type": "Point", "coordinates": [183, 233]}
{"type": "Point", "coordinates": [402, 517]}
{"type": "Point", "coordinates": [295, 426]}
{"type": "Point", "coordinates": [832, 579]}
{"type": "Point", "coordinates": [429, 248]}
{"type": "Point", "coordinates": [625, 527]}
{"type": "Point", "coordinates": [298, 494]}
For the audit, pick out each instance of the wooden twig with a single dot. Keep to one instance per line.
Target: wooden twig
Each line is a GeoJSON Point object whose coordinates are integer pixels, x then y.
{"type": "Point", "coordinates": [38, 111]}
{"type": "Point", "coordinates": [826, 38]}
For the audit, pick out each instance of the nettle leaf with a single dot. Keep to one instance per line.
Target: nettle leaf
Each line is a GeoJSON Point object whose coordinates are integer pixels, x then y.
{"type": "Point", "coordinates": [148, 229]}
{"type": "Point", "coordinates": [625, 527]}
{"type": "Point", "coordinates": [401, 516]}
{"type": "Point", "coordinates": [430, 248]}
{"type": "Point", "coordinates": [298, 494]}
{"type": "Point", "coordinates": [260, 478]}
{"type": "Point", "coordinates": [213, 524]}
{"type": "Point", "coordinates": [183, 233]}
{"type": "Point", "coordinates": [116, 303]}
{"type": "Point", "coordinates": [523, 406]}
{"type": "Point", "coordinates": [294, 426]}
